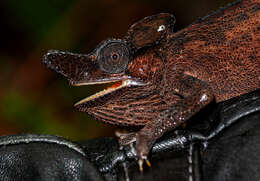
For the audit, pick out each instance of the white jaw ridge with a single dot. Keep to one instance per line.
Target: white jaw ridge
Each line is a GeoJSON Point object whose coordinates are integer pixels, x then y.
{"type": "Point", "coordinates": [124, 83]}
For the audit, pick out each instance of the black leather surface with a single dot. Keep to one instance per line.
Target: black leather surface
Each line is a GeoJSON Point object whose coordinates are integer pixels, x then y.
{"type": "Point", "coordinates": [220, 143]}
{"type": "Point", "coordinates": [235, 153]}
{"type": "Point", "coordinates": [42, 157]}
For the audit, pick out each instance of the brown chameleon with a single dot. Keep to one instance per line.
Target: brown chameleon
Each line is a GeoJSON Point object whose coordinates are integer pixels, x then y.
{"type": "Point", "coordinates": [162, 78]}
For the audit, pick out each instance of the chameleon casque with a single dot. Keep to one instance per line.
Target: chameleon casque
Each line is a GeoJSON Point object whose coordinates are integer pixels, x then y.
{"type": "Point", "coordinates": [162, 78]}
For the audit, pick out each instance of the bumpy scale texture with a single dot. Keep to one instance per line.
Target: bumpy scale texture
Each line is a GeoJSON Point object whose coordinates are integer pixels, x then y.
{"type": "Point", "coordinates": [222, 49]}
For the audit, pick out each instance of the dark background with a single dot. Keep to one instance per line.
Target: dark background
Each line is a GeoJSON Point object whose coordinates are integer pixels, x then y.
{"type": "Point", "coordinates": [34, 99]}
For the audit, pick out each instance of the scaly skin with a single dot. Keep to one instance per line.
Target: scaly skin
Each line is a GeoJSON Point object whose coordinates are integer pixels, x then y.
{"type": "Point", "coordinates": [167, 77]}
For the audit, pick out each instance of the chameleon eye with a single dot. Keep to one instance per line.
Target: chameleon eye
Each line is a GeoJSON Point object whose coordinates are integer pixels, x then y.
{"type": "Point", "coordinates": [113, 56]}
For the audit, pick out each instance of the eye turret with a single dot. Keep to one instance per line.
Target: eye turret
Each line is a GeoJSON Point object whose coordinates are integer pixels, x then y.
{"type": "Point", "coordinates": [113, 56]}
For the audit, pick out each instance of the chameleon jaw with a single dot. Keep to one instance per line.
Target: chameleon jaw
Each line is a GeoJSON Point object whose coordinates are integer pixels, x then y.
{"type": "Point", "coordinates": [118, 85]}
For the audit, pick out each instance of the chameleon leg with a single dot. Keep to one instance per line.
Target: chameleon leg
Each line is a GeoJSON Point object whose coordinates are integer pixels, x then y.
{"type": "Point", "coordinates": [169, 120]}
{"type": "Point", "coordinates": [195, 94]}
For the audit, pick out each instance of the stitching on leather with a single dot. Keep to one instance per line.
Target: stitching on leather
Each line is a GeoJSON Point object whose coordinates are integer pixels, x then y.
{"type": "Point", "coordinates": [190, 167]}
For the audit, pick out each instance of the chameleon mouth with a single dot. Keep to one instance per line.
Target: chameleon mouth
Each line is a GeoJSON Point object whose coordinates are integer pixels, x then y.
{"type": "Point", "coordinates": [117, 85]}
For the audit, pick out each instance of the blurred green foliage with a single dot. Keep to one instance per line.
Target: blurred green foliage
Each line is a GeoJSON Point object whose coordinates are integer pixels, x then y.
{"type": "Point", "coordinates": [35, 100]}
{"type": "Point", "coordinates": [38, 16]}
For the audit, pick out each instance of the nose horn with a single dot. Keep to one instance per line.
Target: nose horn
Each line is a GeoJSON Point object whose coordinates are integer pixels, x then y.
{"type": "Point", "coordinates": [71, 65]}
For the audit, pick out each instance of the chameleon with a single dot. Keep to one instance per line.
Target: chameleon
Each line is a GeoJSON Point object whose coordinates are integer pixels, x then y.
{"type": "Point", "coordinates": [161, 78]}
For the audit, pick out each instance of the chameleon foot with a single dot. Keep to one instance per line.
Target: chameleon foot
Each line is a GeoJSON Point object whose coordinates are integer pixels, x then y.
{"type": "Point", "coordinates": [140, 149]}
{"type": "Point", "coordinates": [141, 161]}
{"type": "Point", "coordinates": [125, 138]}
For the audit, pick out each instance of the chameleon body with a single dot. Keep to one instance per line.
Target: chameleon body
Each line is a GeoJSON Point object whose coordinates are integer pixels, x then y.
{"type": "Point", "coordinates": [162, 78]}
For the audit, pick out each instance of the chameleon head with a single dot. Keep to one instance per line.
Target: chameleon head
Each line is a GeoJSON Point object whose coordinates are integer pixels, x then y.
{"type": "Point", "coordinates": [133, 64]}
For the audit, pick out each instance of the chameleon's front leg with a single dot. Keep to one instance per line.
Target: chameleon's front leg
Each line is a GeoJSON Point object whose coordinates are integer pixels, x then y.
{"type": "Point", "coordinates": [196, 95]}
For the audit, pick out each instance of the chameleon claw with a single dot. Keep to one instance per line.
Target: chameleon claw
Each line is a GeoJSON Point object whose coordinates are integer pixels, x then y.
{"type": "Point", "coordinates": [148, 163]}
{"type": "Point", "coordinates": [140, 163]}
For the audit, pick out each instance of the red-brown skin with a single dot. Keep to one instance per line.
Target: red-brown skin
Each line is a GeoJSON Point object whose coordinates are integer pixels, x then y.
{"type": "Point", "coordinates": [223, 51]}
{"type": "Point", "coordinates": [218, 57]}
